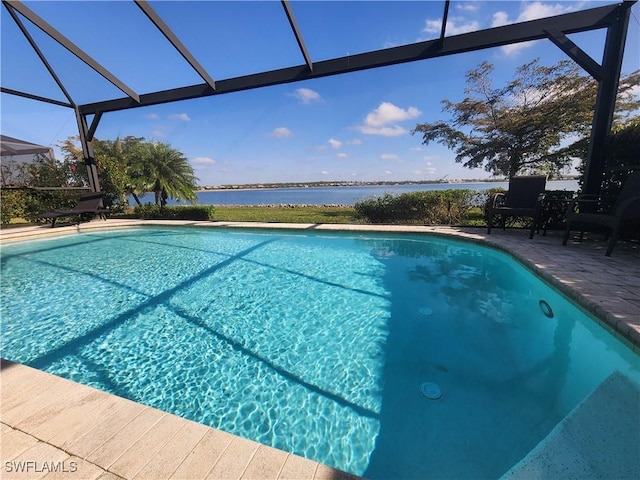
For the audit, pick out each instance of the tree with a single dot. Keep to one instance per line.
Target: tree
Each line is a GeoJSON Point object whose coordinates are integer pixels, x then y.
{"type": "Point", "coordinates": [520, 127]}
{"type": "Point", "coordinates": [117, 166]}
{"type": "Point", "coordinates": [164, 171]}
{"type": "Point", "coordinates": [132, 166]}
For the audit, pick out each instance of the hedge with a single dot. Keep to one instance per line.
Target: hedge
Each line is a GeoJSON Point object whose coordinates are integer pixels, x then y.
{"type": "Point", "coordinates": [433, 207]}
{"type": "Point", "coordinates": [156, 212]}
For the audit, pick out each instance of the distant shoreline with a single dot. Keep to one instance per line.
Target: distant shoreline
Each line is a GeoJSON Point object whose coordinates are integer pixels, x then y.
{"type": "Point", "coordinates": [271, 186]}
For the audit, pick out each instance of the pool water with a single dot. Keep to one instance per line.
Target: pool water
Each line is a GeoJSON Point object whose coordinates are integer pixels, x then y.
{"type": "Point", "coordinates": [318, 344]}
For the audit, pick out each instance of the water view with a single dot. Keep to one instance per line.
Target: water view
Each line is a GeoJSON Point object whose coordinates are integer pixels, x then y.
{"type": "Point", "coordinates": [342, 195]}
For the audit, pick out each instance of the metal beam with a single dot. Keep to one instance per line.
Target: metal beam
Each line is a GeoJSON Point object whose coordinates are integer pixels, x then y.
{"type": "Point", "coordinates": [38, 98]}
{"type": "Point", "coordinates": [72, 47]}
{"type": "Point", "coordinates": [94, 125]}
{"type": "Point", "coordinates": [606, 99]}
{"type": "Point", "coordinates": [296, 31]}
{"type": "Point", "coordinates": [35, 47]}
{"type": "Point", "coordinates": [87, 152]}
{"type": "Point", "coordinates": [445, 16]}
{"type": "Point", "coordinates": [585, 20]}
{"type": "Point", "coordinates": [574, 52]}
{"type": "Point", "coordinates": [175, 41]}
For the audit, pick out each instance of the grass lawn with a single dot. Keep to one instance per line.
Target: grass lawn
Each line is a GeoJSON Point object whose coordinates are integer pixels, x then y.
{"type": "Point", "coordinates": [286, 214]}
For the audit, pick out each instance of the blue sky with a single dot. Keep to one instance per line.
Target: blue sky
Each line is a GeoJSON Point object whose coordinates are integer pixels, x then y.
{"type": "Point", "coordinates": [348, 127]}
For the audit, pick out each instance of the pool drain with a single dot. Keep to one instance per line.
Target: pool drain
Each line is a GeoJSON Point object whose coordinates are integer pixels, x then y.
{"type": "Point", "coordinates": [546, 309]}
{"type": "Point", "coordinates": [426, 311]}
{"type": "Point", "coordinates": [430, 390]}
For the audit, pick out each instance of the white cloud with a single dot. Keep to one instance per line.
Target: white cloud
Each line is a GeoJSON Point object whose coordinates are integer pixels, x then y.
{"type": "Point", "coordinates": [500, 19]}
{"type": "Point", "coordinates": [152, 116]}
{"type": "Point", "coordinates": [430, 169]}
{"type": "Point", "coordinates": [530, 11]}
{"type": "Point", "coordinates": [335, 143]}
{"type": "Point", "coordinates": [324, 172]}
{"type": "Point", "coordinates": [306, 95]}
{"type": "Point", "coordinates": [416, 149]}
{"type": "Point", "coordinates": [535, 10]}
{"type": "Point", "coordinates": [355, 141]}
{"type": "Point", "coordinates": [389, 156]}
{"type": "Point", "coordinates": [388, 113]}
{"type": "Point", "coordinates": [467, 7]}
{"type": "Point", "coordinates": [394, 131]}
{"type": "Point", "coordinates": [342, 155]}
{"type": "Point", "coordinates": [387, 172]}
{"type": "Point", "coordinates": [455, 26]}
{"type": "Point", "coordinates": [203, 161]}
{"type": "Point", "coordinates": [158, 133]}
{"type": "Point", "coordinates": [377, 122]}
{"type": "Point", "coordinates": [183, 117]}
{"type": "Point", "coordinates": [281, 132]}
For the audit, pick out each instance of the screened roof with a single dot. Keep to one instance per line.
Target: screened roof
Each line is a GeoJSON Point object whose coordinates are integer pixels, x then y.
{"type": "Point", "coordinates": [195, 40]}
{"type": "Point", "coordinates": [10, 146]}
{"type": "Point", "coordinates": [104, 56]}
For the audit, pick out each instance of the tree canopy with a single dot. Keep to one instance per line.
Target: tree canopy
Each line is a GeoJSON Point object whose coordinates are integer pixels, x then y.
{"type": "Point", "coordinates": [133, 166]}
{"type": "Point", "coordinates": [520, 127]}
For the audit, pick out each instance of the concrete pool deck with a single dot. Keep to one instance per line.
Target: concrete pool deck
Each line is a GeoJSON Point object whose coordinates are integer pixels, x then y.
{"type": "Point", "coordinates": [51, 423]}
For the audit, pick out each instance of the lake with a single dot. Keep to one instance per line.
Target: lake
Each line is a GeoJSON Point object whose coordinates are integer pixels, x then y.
{"type": "Point", "coordinates": [346, 195]}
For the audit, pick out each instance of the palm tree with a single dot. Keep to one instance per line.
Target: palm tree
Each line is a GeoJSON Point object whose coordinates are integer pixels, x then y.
{"type": "Point", "coordinates": [166, 172]}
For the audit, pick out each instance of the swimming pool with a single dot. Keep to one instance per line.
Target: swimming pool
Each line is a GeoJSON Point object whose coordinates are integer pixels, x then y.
{"type": "Point", "coordinates": [315, 343]}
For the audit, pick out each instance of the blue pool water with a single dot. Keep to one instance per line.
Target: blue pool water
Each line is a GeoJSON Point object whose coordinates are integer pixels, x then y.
{"type": "Point", "coordinates": [314, 343]}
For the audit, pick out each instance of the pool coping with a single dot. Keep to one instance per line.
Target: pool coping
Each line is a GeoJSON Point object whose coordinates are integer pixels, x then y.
{"type": "Point", "coordinates": [36, 421]}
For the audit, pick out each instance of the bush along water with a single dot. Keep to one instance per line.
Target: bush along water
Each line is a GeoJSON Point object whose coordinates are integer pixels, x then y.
{"type": "Point", "coordinates": [156, 212]}
{"type": "Point", "coordinates": [443, 207]}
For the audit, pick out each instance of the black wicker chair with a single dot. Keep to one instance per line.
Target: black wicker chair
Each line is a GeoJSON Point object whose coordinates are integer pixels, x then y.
{"type": "Point", "coordinates": [625, 210]}
{"type": "Point", "coordinates": [524, 199]}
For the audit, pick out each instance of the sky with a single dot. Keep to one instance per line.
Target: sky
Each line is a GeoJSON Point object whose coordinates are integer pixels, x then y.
{"type": "Point", "coordinates": [351, 127]}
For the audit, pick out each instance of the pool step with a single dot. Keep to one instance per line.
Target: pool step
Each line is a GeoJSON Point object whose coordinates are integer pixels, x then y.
{"type": "Point", "coordinates": [600, 438]}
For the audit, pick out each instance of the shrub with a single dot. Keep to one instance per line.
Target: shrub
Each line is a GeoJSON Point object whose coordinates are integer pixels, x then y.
{"type": "Point", "coordinates": [436, 207]}
{"type": "Point", "coordinates": [194, 212]}
{"type": "Point", "coordinates": [12, 204]}
{"type": "Point", "coordinates": [29, 204]}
